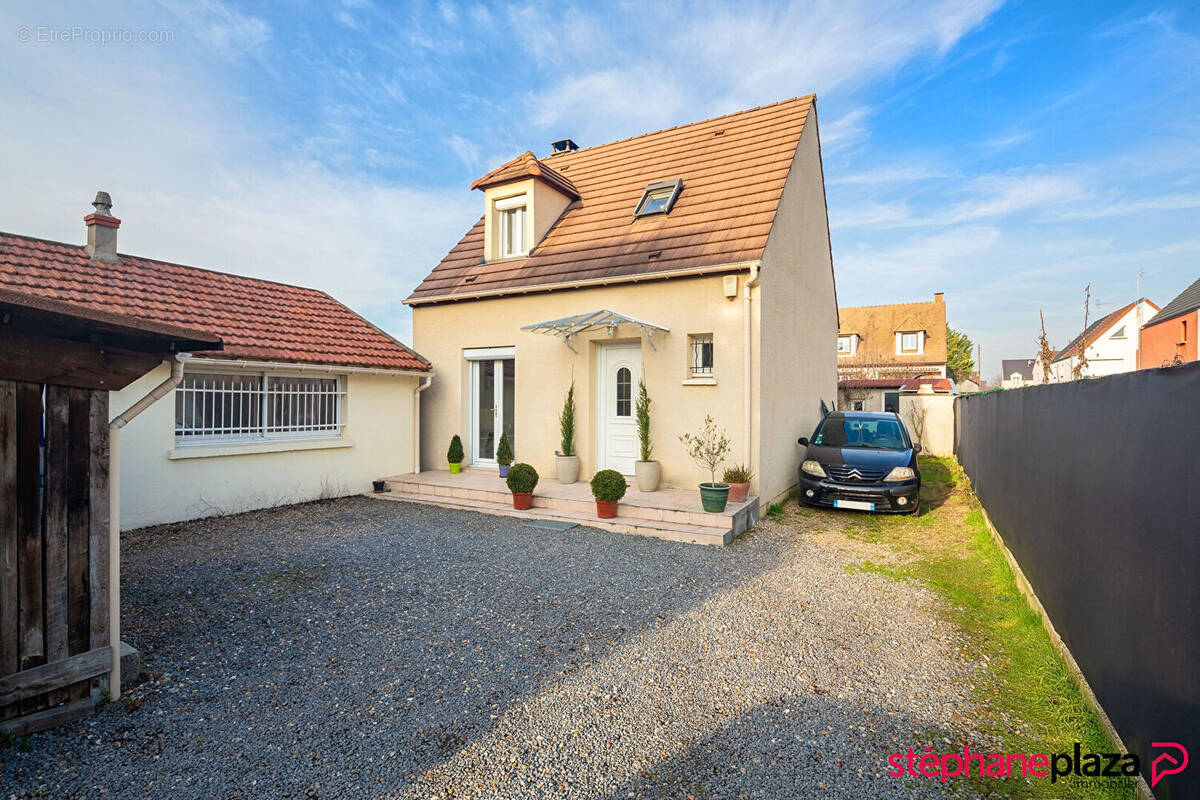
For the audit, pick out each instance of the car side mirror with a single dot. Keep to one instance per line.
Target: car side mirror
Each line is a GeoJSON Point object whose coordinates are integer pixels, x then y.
{"type": "Point", "coordinates": [916, 448]}
{"type": "Point", "coordinates": [802, 441]}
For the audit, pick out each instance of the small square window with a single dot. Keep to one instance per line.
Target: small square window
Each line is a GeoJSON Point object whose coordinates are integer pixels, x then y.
{"type": "Point", "coordinates": [859, 405]}
{"type": "Point", "coordinates": [658, 198]}
{"type": "Point", "coordinates": [845, 345]}
{"type": "Point", "coordinates": [701, 355]}
{"type": "Point", "coordinates": [908, 342]}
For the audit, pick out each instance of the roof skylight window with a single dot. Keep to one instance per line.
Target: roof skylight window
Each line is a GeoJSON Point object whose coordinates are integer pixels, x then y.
{"type": "Point", "coordinates": [658, 198]}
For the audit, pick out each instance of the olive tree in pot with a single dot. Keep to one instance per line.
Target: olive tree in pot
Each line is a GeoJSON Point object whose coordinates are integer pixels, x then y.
{"type": "Point", "coordinates": [647, 472]}
{"type": "Point", "coordinates": [708, 449]}
{"type": "Point", "coordinates": [454, 456]}
{"type": "Point", "coordinates": [504, 455]}
{"type": "Point", "coordinates": [566, 461]}
{"type": "Point", "coordinates": [608, 486]}
{"type": "Point", "coordinates": [738, 477]}
{"type": "Point", "coordinates": [522, 480]}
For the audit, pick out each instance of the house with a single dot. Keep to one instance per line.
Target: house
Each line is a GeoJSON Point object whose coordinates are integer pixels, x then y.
{"type": "Point", "coordinates": [1016, 372]}
{"type": "Point", "coordinates": [304, 400]}
{"type": "Point", "coordinates": [1170, 336]}
{"type": "Point", "coordinates": [1109, 345]}
{"type": "Point", "coordinates": [870, 394]}
{"type": "Point", "coordinates": [695, 258]}
{"type": "Point", "coordinates": [971, 383]}
{"type": "Point", "coordinates": [901, 340]}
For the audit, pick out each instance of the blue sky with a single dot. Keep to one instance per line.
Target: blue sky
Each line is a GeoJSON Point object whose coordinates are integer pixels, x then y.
{"type": "Point", "coordinates": [1007, 154]}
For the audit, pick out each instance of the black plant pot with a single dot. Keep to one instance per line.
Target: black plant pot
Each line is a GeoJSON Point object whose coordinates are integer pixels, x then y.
{"type": "Point", "coordinates": [379, 486]}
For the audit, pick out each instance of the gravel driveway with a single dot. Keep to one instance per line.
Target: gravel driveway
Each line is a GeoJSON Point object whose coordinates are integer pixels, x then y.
{"type": "Point", "coordinates": [358, 648]}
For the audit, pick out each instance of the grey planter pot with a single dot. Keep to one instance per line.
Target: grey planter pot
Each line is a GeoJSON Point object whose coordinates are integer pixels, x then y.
{"type": "Point", "coordinates": [648, 475]}
{"type": "Point", "coordinates": [566, 468]}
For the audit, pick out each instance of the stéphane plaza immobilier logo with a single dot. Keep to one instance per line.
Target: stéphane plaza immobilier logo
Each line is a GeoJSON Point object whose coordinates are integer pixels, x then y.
{"type": "Point", "coordinates": [930, 764]}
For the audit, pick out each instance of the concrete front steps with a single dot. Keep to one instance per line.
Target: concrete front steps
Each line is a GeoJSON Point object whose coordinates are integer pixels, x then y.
{"type": "Point", "coordinates": [668, 514]}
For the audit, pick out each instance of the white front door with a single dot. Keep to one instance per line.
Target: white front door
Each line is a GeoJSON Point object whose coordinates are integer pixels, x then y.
{"type": "Point", "coordinates": [619, 368]}
{"type": "Point", "coordinates": [493, 384]}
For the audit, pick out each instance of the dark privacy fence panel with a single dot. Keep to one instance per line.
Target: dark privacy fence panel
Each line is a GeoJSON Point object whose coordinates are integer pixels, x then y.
{"type": "Point", "coordinates": [1094, 486]}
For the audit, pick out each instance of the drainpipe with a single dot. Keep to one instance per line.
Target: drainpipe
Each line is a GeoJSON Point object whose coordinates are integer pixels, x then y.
{"type": "Point", "coordinates": [114, 514]}
{"type": "Point", "coordinates": [748, 372]}
{"type": "Point", "coordinates": [417, 421]}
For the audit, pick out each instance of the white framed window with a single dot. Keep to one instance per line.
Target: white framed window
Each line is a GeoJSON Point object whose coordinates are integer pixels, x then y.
{"type": "Point", "coordinates": [700, 347]}
{"type": "Point", "coordinates": [847, 344]}
{"type": "Point", "coordinates": [510, 218]}
{"type": "Point", "coordinates": [910, 342]}
{"type": "Point", "coordinates": [234, 407]}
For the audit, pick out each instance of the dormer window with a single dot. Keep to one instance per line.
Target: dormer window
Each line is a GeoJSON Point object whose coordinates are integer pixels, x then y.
{"type": "Point", "coordinates": [510, 214]}
{"type": "Point", "coordinates": [910, 343]}
{"type": "Point", "coordinates": [658, 198]}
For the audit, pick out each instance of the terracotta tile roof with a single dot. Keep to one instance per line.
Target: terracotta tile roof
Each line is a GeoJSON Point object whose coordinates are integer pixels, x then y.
{"type": "Point", "coordinates": [256, 319]}
{"type": "Point", "coordinates": [526, 165]}
{"type": "Point", "coordinates": [1185, 301]}
{"type": "Point", "coordinates": [733, 170]}
{"type": "Point", "coordinates": [1094, 332]}
{"type": "Point", "coordinates": [876, 327]}
{"type": "Point", "coordinates": [938, 384]}
{"type": "Point", "coordinates": [871, 383]}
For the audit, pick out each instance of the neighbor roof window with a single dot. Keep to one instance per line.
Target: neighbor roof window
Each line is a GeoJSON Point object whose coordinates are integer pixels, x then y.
{"type": "Point", "coordinates": [510, 215]}
{"type": "Point", "coordinates": [658, 198]}
{"type": "Point", "coordinates": [1120, 334]}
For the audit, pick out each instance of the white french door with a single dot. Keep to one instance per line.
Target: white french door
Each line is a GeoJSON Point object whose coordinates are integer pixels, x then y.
{"type": "Point", "coordinates": [492, 406]}
{"type": "Point", "coordinates": [618, 369]}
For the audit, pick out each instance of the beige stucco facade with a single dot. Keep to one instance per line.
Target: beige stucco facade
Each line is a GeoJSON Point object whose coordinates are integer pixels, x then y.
{"type": "Point", "coordinates": [161, 482]}
{"type": "Point", "coordinates": [789, 328]}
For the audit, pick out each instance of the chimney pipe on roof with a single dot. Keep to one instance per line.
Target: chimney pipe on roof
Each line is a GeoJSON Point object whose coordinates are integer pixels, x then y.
{"type": "Point", "coordinates": [939, 297]}
{"type": "Point", "coordinates": [102, 230]}
{"type": "Point", "coordinates": [563, 146]}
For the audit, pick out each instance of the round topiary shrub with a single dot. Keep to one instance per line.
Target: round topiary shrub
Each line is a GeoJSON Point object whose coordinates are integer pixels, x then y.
{"type": "Point", "coordinates": [455, 454]}
{"type": "Point", "coordinates": [608, 485]}
{"type": "Point", "coordinates": [522, 478]}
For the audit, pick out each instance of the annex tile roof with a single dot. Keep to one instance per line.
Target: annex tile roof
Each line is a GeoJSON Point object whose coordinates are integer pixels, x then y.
{"type": "Point", "coordinates": [871, 383]}
{"type": "Point", "coordinates": [876, 327]}
{"type": "Point", "coordinates": [255, 319]}
{"type": "Point", "coordinates": [1094, 332]}
{"type": "Point", "coordinates": [1185, 301]}
{"type": "Point", "coordinates": [733, 170]}
{"type": "Point", "coordinates": [526, 165]}
{"type": "Point", "coordinates": [944, 385]}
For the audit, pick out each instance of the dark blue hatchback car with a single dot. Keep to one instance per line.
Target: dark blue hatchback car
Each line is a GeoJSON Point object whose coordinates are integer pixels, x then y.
{"type": "Point", "coordinates": [861, 460]}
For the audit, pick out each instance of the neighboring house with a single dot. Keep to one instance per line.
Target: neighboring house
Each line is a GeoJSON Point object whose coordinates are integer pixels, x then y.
{"type": "Point", "coordinates": [870, 394]}
{"type": "Point", "coordinates": [305, 400]}
{"type": "Point", "coordinates": [1016, 372]}
{"type": "Point", "coordinates": [1170, 335]}
{"type": "Point", "coordinates": [695, 257]}
{"type": "Point", "coordinates": [1110, 345]}
{"type": "Point", "coordinates": [900, 341]}
{"type": "Point", "coordinates": [972, 383]}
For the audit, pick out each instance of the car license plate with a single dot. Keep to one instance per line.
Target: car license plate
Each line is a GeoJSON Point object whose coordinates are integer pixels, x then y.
{"type": "Point", "coordinates": [857, 505]}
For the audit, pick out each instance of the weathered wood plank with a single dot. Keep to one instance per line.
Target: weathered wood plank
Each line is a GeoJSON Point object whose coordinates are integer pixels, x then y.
{"type": "Point", "coordinates": [55, 531]}
{"type": "Point", "coordinates": [55, 675]}
{"type": "Point", "coordinates": [29, 526]}
{"type": "Point", "coordinates": [98, 518]}
{"type": "Point", "coordinates": [28, 357]}
{"type": "Point", "coordinates": [43, 720]}
{"type": "Point", "coordinates": [9, 602]}
{"type": "Point", "coordinates": [79, 486]}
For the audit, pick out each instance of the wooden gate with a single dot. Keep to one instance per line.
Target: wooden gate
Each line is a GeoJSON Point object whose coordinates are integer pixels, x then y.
{"type": "Point", "coordinates": [54, 654]}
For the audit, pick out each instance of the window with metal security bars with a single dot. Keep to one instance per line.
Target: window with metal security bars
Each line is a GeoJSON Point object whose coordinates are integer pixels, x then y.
{"type": "Point", "coordinates": [702, 354]}
{"type": "Point", "coordinates": [247, 407]}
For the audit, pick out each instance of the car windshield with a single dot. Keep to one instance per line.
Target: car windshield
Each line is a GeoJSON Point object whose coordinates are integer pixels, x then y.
{"type": "Point", "coordinates": [878, 434]}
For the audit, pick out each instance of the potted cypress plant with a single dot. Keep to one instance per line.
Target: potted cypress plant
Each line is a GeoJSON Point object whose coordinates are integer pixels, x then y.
{"type": "Point", "coordinates": [738, 477]}
{"type": "Point", "coordinates": [504, 455]}
{"type": "Point", "coordinates": [648, 473]}
{"type": "Point", "coordinates": [608, 486]}
{"type": "Point", "coordinates": [455, 455]}
{"type": "Point", "coordinates": [521, 480]}
{"type": "Point", "coordinates": [708, 449]}
{"type": "Point", "coordinates": [566, 461]}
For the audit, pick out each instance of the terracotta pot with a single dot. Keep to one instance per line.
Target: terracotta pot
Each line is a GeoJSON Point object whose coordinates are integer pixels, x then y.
{"type": "Point", "coordinates": [522, 500]}
{"type": "Point", "coordinates": [455, 469]}
{"type": "Point", "coordinates": [566, 468]}
{"type": "Point", "coordinates": [648, 475]}
{"type": "Point", "coordinates": [606, 509]}
{"type": "Point", "coordinates": [738, 492]}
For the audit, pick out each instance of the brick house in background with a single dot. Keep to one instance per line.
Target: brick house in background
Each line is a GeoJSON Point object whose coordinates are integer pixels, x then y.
{"type": "Point", "coordinates": [1170, 335]}
{"type": "Point", "coordinates": [880, 348]}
